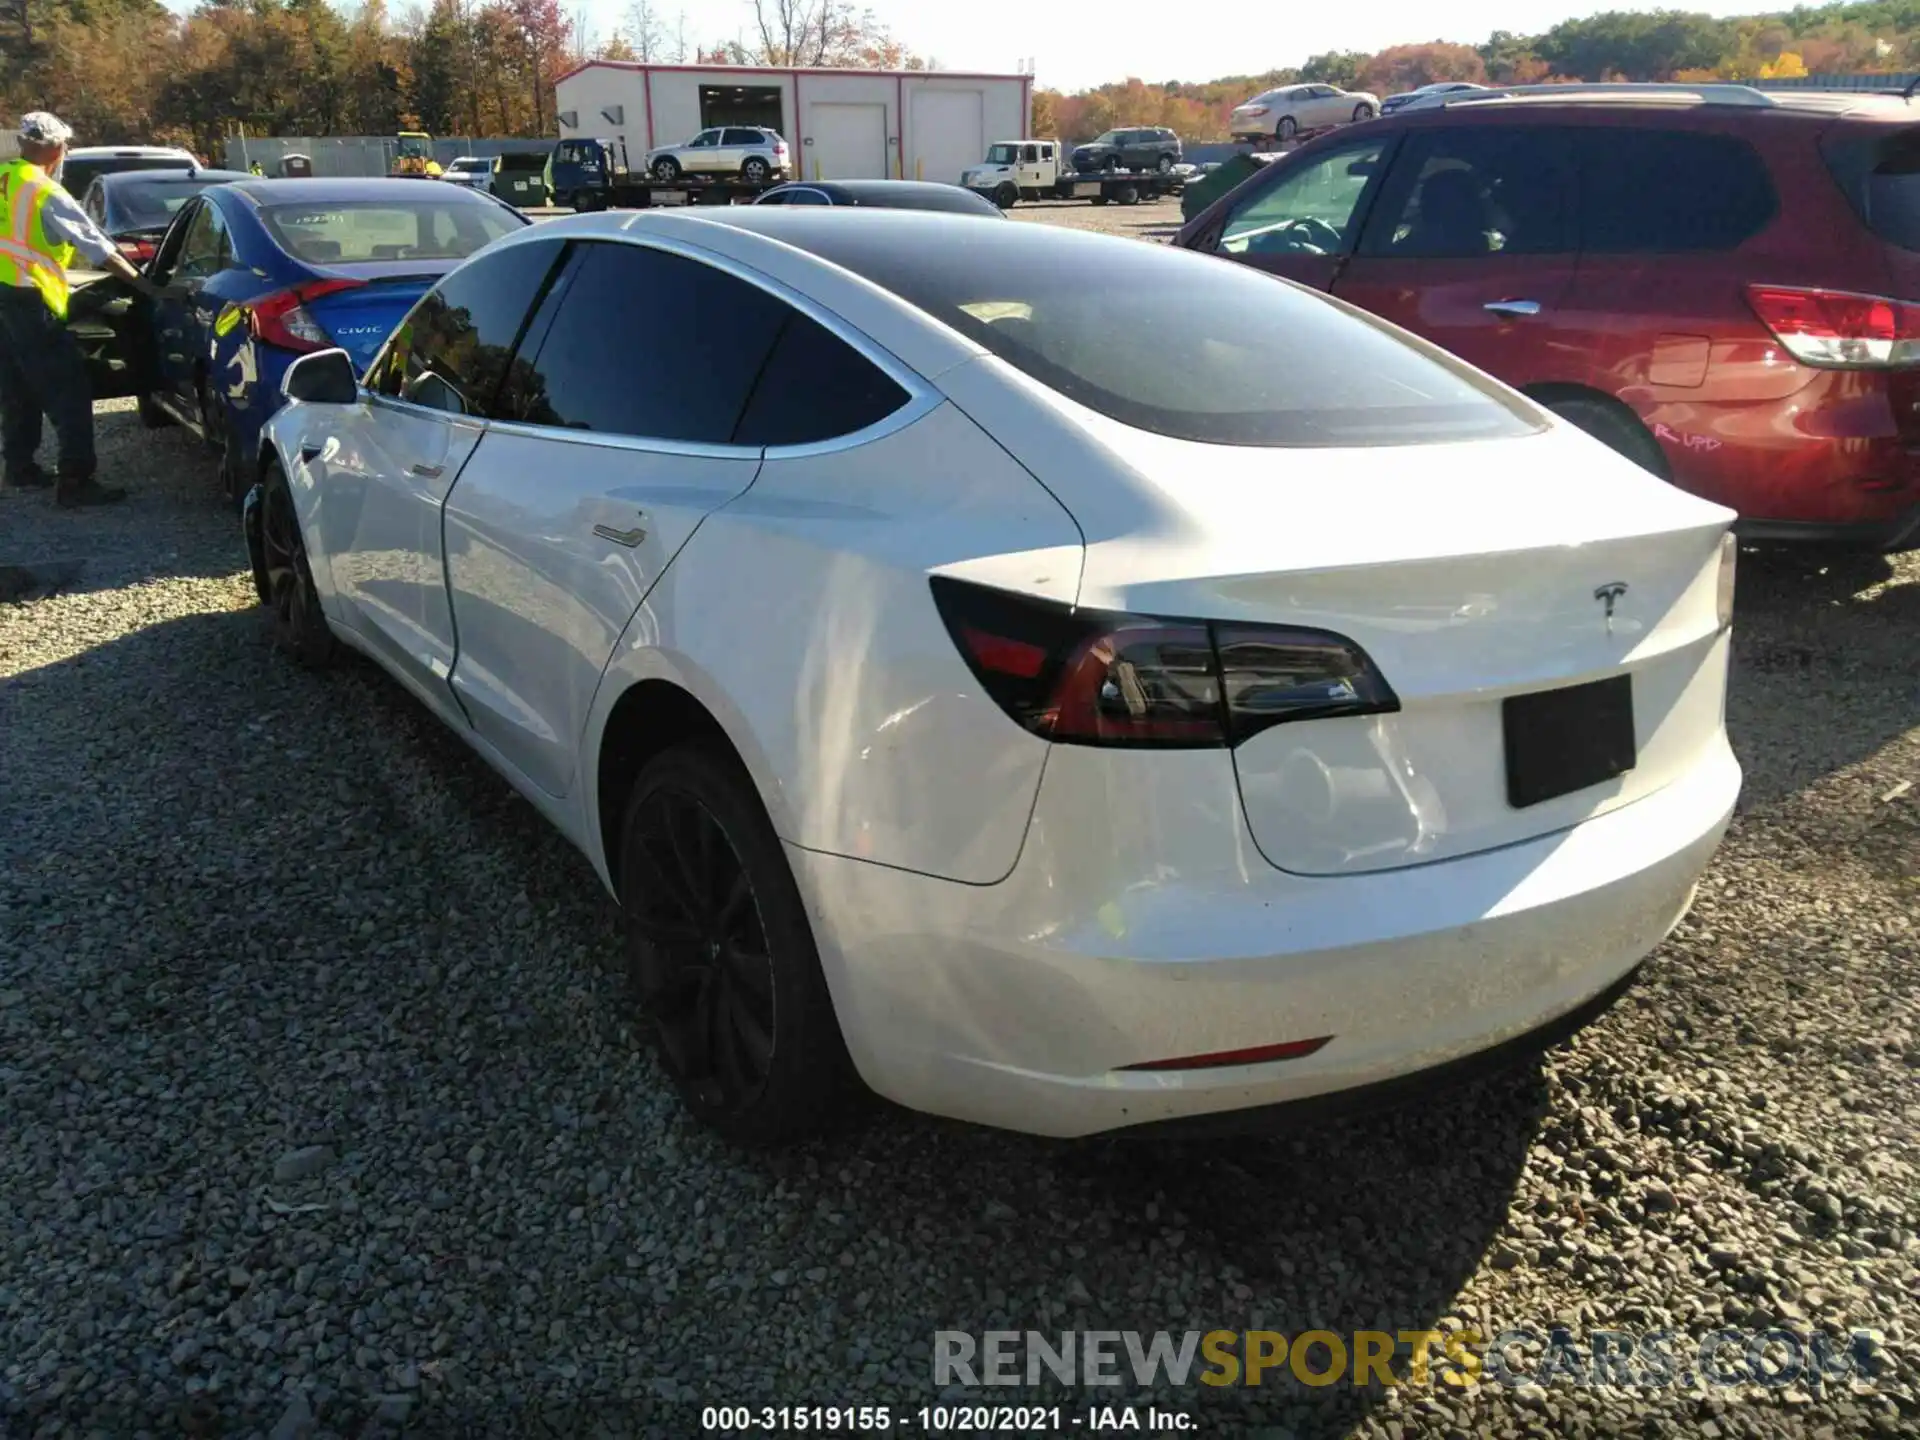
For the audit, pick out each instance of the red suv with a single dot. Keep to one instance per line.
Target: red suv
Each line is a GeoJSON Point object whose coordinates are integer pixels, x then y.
{"type": "Point", "coordinates": [1722, 284]}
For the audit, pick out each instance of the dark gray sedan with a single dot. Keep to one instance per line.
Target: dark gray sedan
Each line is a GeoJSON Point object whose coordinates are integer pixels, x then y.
{"type": "Point", "coordinates": [881, 195]}
{"type": "Point", "coordinates": [135, 207]}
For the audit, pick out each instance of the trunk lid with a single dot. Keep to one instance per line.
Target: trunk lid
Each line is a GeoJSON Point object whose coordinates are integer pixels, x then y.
{"type": "Point", "coordinates": [1469, 574]}
{"type": "Point", "coordinates": [360, 319]}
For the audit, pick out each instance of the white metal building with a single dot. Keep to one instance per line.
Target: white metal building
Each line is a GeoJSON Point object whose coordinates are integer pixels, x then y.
{"type": "Point", "coordinates": [839, 124]}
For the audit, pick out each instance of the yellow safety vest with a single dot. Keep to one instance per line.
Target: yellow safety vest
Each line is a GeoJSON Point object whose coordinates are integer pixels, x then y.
{"type": "Point", "coordinates": [27, 257]}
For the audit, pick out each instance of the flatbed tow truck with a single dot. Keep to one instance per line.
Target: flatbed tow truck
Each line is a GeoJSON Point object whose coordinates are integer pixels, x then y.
{"type": "Point", "coordinates": [594, 175]}
{"type": "Point", "coordinates": [1016, 170]}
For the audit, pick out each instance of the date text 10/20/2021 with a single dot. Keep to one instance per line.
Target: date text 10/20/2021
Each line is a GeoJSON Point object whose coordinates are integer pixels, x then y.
{"type": "Point", "coordinates": [945, 1419]}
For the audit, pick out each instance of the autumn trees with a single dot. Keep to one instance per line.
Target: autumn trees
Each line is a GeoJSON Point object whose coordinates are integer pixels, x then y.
{"type": "Point", "coordinates": [1861, 37]}
{"type": "Point", "coordinates": [123, 70]}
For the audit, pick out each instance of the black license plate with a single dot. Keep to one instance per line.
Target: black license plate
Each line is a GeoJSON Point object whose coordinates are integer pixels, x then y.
{"type": "Point", "coordinates": [1560, 741]}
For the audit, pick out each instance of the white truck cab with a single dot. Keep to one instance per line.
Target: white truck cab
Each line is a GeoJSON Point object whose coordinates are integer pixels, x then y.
{"type": "Point", "coordinates": [1017, 170]}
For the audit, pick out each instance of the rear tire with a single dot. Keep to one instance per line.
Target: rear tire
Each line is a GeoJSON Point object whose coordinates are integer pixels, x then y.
{"type": "Point", "coordinates": [754, 170]}
{"type": "Point", "coordinates": [1165, 165]}
{"type": "Point", "coordinates": [722, 958]}
{"type": "Point", "coordinates": [1620, 430]}
{"type": "Point", "coordinates": [295, 621]}
{"type": "Point", "coordinates": [1287, 128]}
{"type": "Point", "coordinates": [1361, 112]}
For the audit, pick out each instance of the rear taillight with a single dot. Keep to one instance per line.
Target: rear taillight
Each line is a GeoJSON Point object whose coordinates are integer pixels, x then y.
{"type": "Point", "coordinates": [282, 319]}
{"type": "Point", "coordinates": [1089, 677]}
{"type": "Point", "coordinates": [1838, 329]}
{"type": "Point", "coordinates": [137, 249]}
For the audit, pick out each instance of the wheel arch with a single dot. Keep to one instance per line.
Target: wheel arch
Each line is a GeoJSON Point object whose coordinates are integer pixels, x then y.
{"type": "Point", "coordinates": [640, 715]}
{"type": "Point", "coordinates": [1551, 393]}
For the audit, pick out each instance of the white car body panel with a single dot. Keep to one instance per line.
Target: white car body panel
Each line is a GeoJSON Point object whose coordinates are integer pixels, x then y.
{"type": "Point", "coordinates": [856, 665]}
{"type": "Point", "coordinates": [1006, 925]}
{"type": "Point", "coordinates": [376, 528]}
{"type": "Point", "coordinates": [542, 588]}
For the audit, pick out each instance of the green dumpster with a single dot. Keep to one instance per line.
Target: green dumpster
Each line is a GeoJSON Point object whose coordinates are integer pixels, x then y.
{"type": "Point", "coordinates": [1203, 190]}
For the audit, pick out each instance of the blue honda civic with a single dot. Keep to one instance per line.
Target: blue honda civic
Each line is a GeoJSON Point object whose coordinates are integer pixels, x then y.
{"type": "Point", "coordinates": [253, 274]}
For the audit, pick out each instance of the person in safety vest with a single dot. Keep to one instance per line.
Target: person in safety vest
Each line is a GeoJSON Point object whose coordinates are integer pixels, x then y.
{"type": "Point", "coordinates": [42, 368]}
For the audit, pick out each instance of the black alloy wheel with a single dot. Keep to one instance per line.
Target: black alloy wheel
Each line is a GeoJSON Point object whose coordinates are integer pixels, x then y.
{"type": "Point", "coordinates": [293, 605]}
{"type": "Point", "coordinates": [702, 967]}
{"type": "Point", "coordinates": [721, 956]}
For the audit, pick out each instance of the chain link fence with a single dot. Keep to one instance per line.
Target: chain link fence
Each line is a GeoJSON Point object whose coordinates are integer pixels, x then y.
{"type": "Point", "coordinates": [342, 155]}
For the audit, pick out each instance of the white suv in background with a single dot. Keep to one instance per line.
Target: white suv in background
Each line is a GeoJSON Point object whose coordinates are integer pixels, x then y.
{"type": "Point", "coordinates": [748, 151]}
{"type": "Point", "coordinates": [87, 164]}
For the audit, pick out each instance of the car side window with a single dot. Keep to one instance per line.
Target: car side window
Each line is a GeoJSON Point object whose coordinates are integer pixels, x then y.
{"type": "Point", "coordinates": [745, 137]}
{"type": "Point", "coordinates": [705, 140]}
{"type": "Point", "coordinates": [815, 387]}
{"type": "Point", "coordinates": [452, 351]}
{"type": "Point", "coordinates": [809, 197]}
{"type": "Point", "coordinates": [206, 248]}
{"type": "Point", "coordinates": [648, 345]}
{"type": "Point", "coordinates": [167, 257]}
{"type": "Point", "coordinates": [1029, 154]}
{"type": "Point", "coordinates": [1664, 192]}
{"type": "Point", "coordinates": [1474, 191]}
{"type": "Point", "coordinates": [1310, 209]}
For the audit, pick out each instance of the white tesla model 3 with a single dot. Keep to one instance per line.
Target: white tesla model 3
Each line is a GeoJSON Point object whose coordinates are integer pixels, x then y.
{"type": "Point", "coordinates": [1020, 671]}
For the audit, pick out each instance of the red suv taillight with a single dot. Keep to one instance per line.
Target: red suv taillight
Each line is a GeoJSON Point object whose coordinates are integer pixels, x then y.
{"type": "Point", "coordinates": [1091, 677]}
{"type": "Point", "coordinates": [137, 249]}
{"type": "Point", "coordinates": [1838, 329]}
{"type": "Point", "coordinates": [282, 319]}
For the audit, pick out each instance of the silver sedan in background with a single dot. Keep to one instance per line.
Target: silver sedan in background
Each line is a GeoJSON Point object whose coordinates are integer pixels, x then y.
{"type": "Point", "coordinates": [1290, 110]}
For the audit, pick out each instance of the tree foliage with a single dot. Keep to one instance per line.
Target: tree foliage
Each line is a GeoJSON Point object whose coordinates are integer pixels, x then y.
{"type": "Point", "coordinates": [1854, 37]}
{"type": "Point", "coordinates": [131, 71]}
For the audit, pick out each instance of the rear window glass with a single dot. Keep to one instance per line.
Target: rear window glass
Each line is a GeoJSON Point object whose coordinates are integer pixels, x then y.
{"type": "Point", "coordinates": [383, 230]}
{"type": "Point", "coordinates": [1881, 177]}
{"type": "Point", "coordinates": [150, 203]}
{"type": "Point", "coordinates": [1198, 349]}
{"type": "Point", "coordinates": [1669, 191]}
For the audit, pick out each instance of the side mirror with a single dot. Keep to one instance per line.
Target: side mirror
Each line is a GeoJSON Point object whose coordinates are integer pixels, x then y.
{"type": "Point", "coordinates": [325, 377]}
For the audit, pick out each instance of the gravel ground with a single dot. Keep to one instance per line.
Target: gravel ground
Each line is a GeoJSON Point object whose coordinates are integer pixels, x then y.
{"type": "Point", "coordinates": [322, 1114]}
{"type": "Point", "coordinates": [1153, 220]}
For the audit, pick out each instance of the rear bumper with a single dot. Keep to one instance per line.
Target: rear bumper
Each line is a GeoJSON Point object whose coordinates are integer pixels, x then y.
{"type": "Point", "coordinates": [1420, 1085]}
{"type": "Point", "coordinates": [1900, 532]}
{"type": "Point", "coordinates": [1025, 1005]}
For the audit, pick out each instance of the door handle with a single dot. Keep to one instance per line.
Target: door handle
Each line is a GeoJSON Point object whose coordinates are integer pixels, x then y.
{"type": "Point", "coordinates": [1512, 308]}
{"type": "Point", "coordinates": [628, 538]}
{"type": "Point", "coordinates": [309, 452]}
{"type": "Point", "coordinates": [429, 472]}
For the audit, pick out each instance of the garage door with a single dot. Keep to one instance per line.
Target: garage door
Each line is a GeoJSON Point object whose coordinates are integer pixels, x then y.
{"type": "Point", "coordinates": [945, 133]}
{"type": "Point", "coordinates": [846, 142]}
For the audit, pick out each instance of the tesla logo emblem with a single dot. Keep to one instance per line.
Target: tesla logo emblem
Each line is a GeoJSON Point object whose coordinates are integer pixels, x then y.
{"type": "Point", "coordinates": [1609, 595]}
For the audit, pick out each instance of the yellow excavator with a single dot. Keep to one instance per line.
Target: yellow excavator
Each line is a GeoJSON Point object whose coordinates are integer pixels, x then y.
{"type": "Point", "coordinates": [413, 155]}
